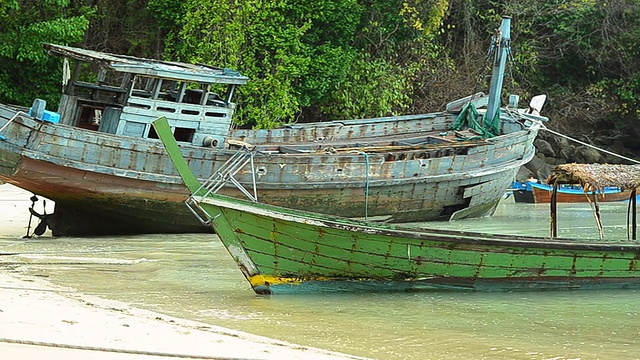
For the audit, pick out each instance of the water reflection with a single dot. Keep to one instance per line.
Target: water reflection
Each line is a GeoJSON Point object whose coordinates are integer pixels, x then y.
{"type": "Point", "coordinates": [192, 276]}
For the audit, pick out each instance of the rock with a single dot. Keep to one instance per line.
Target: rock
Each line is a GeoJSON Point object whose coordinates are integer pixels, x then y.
{"type": "Point", "coordinates": [536, 163]}
{"type": "Point", "coordinates": [554, 161]}
{"type": "Point", "coordinates": [565, 154]}
{"type": "Point", "coordinates": [539, 168]}
{"type": "Point", "coordinates": [523, 174]}
{"type": "Point", "coordinates": [587, 155]}
{"type": "Point", "coordinates": [544, 172]}
{"type": "Point", "coordinates": [544, 147]}
{"type": "Point", "coordinates": [553, 150]}
{"type": "Point", "coordinates": [630, 141]}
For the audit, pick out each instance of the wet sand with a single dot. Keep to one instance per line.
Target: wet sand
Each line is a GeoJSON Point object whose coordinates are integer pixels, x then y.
{"type": "Point", "coordinates": [40, 319]}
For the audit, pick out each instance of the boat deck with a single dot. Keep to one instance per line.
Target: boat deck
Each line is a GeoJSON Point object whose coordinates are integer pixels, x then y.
{"type": "Point", "coordinates": [404, 142]}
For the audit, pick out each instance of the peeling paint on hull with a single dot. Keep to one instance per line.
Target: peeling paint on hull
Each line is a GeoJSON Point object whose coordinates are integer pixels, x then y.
{"type": "Point", "coordinates": [283, 250]}
{"type": "Point", "coordinates": [99, 159]}
{"type": "Point", "coordinates": [128, 185]}
{"type": "Point", "coordinates": [286, 251]}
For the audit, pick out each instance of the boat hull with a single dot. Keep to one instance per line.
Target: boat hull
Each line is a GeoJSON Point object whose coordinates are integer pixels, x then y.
{"type": "Point", "coordinates": [283, 251]}
{"type": "Point", "coordinates": [107, 184]}
{"type": "Point", "coordinates": [541, 193]}
{"type": "Point", "coordinates": [89, 203]}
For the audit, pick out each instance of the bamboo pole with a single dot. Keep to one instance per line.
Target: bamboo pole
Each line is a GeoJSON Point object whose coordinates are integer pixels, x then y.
{"type": "Point", "coordinates": [635, 224]}
{"type": "Point", "coordinates": [554, 210]}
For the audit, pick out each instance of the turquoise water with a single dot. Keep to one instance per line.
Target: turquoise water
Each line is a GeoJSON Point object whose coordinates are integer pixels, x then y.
{"type": "Point", "coordinates": [193, 277]}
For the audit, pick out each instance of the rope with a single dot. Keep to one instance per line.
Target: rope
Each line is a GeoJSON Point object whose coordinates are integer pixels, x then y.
{"type": "Point", "coordinates": [366, 186]}
{"type": "Point", "coordinates": [589, 145]}
{"type": "Point", "coordinates": [366, 183]}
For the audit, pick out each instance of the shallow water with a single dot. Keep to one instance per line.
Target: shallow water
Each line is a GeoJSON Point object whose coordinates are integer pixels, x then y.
{"type": "Point", "coordinates": [193, 277]}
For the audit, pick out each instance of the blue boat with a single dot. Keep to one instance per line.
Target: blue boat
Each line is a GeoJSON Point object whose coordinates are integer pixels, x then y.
{"type": "Point", "coordinates": [535, 192]}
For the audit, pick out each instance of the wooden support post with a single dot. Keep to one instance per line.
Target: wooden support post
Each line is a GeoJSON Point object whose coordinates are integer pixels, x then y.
{"type": "Point", "coordinates": [597, 215]}
{"type": "Point", "coordinates": [554, 210]}
{"type": "Point", "coordinates": [634, 226]}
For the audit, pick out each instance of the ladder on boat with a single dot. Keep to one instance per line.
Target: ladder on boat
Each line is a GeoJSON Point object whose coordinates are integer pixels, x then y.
{"type": "Point", "coordinates": [223, 175]}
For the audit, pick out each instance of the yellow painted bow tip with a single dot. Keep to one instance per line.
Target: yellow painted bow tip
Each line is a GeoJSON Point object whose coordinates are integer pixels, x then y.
{"type": "Point", "coordinates": [266, 280]}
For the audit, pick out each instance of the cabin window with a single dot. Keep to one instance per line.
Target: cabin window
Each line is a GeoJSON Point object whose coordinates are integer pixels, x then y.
{"type": "Point", "coordinates": [193, 96]}
{"type": "Point", "coordinates": [152, 133]}
{"type": "Point", "coordinates": [183, 134]}
{"type": "Point", "coordinates": [144, 86]}
{"type": "Point", "coordinates": [180, 134]}
{"type": "Point", "coordinates": [180, 91]}
{"type": "Point", "coordinates": [90, 117]}
{"type": "Point", "coordinates": [215, 114]}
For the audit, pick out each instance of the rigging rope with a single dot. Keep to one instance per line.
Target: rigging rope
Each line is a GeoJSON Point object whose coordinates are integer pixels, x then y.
{"type": "Point", "coordinates": [589, 145]}
{"type": "Point", "coordinates": [516, 114]}
{"type": "Point", "coordinates": [366, 181]}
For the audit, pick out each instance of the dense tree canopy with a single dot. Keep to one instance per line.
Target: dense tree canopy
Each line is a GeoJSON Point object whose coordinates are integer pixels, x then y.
{"type": "Point", "coordinates": [330, 59]}
{"type": "Point", "coordinates": [27, 72]}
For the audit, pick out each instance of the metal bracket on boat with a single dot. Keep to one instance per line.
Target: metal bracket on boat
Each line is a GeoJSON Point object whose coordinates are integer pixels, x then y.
{"type": "Point", "coordinates": [201, 214]}
{"type": "Point", "coordinates": [225, 174]}
{"type": "Point", "coordinates": [9, 122]}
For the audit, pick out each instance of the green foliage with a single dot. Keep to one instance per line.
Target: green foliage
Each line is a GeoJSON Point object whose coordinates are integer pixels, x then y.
{"type": "Point", "coordinates": [330, 59]}
{"type": "Point", "coordinates": [29, 72]}
{"type": "Point", "coordinates": [168, 15]}
{"type": "Point", "coordinates": [168, 12]}
{"type": "Point", "coordinates": [334, 58]}
{"type": "Point", "coordinates": [255, 38]}
{"type": "Point", "coordinates": [280, 45]}
{"type": "Point", "coordinates": [585, 45]}
{"type": "Point", "coordinates": [373, 88]}
{"type": "Point", "coordinates": [624, 94]}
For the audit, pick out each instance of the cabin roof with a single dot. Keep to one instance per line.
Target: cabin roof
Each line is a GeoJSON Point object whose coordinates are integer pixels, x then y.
{"type": "Point", "coordinates": [151, 67]}
{"type": "Point", "coordinates": [597, 176]}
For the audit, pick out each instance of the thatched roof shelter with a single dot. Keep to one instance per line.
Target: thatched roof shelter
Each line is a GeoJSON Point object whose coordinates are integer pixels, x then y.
{"type": "Point", "coordinates": [597, 176]}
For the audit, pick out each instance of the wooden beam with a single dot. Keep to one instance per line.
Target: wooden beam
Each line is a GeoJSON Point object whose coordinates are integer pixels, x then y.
{"type": "Point", "coordinates": [554, 210]}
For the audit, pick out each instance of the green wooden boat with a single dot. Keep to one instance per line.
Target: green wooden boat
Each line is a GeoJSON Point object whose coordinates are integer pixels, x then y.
{"type": "Point", "coordinates": [282, 250]}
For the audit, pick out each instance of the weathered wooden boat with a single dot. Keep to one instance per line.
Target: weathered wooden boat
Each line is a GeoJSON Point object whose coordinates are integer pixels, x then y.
{"type": "Point", "coordinates": [535, 192]}
{"type": "Point", "coordinates": [281, 250]}
{"type": "Point", "coordinates": [99, 159]}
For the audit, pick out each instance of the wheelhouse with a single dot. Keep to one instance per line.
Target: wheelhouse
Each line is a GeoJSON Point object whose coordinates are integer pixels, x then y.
{"type": "Point", "coordinates": [122, 95]}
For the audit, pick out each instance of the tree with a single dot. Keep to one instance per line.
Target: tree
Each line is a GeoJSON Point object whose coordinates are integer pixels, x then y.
{"type": "Point", "coordinates": [584, 54]}
{"type": "Point", "coordinates": [129, 27]}
{"type": "Point", "coordinates": [314, 59]}
{"type": "Point", "coordinates": [28, 72]}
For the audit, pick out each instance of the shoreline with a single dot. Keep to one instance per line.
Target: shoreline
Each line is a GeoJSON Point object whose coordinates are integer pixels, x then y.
{"type": "Point", "coordinates": [39, 317]}
{"type": "Point", "coordinates": [42, 319]}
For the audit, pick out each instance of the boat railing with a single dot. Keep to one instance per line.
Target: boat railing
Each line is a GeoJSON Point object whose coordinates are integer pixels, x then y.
{"type": "Point", "coordinates": [172, 109]}
{"type": "Point", "coordinates": [226, 174]}
{"type": "Point", "coordinates": [18, 113]}
{"type": "Point", "coordinates": [223, 175]}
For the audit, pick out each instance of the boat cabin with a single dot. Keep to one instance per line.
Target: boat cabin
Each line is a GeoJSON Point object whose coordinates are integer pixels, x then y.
{"type": "Point", "coordinates": [122, 95]}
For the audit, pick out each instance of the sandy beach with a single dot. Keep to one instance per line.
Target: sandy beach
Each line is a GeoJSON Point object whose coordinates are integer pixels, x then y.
{"type": "Point", "coordinates": [40, 319]}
